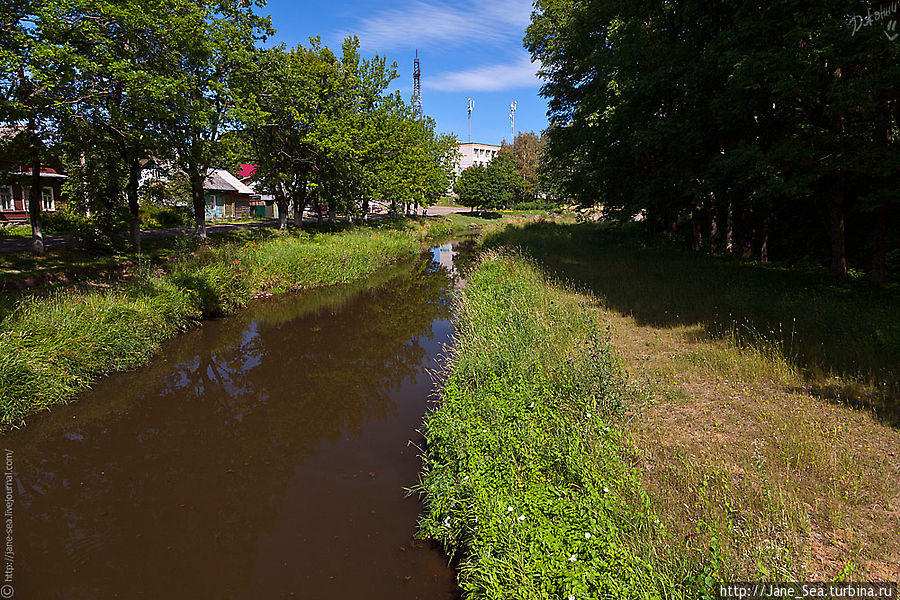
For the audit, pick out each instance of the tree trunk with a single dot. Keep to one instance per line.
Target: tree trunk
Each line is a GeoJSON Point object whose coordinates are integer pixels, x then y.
{"type": "Point", "coordinates": [331, 214]}
{"type": "Point", "coordinates": [698, 231]}
{"type": "Point", "coordinates": [196, 180]}
{"type": "Point", "coordinates": [879, 255]}
{"type": "Point", "coordinates": [297, 211]}
{"type": "Point", "coordinates": [729, 227]}
{"type": "Point", "coordinates": [748, 233]}
{"type": "Point", "coordinates": [34, 206]}
{"type": "Point", "coordinates": [883, 135]}
{"type": "Point", "coordinates": [113, 190]}
{"type": "Point", "coordinates": [764, 244]}
{"type": "Point", "coordinates": [84, 190]}
{"type": "Point", "coordinates": [838, 241]}
{"type": "Point", "coordinates": [282, 204]}
{"type": "Point", "coordinates": [300, 206]}
{"type": "Point", "coordinates": [713, 224]}
{"type": "Point", "coordinates": [134, 209]}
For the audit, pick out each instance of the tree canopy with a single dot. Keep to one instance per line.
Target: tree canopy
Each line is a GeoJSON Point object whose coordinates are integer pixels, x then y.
{"type": "Point", "coordinates": [763, 128]}
{"type": "Point", "coordinates": [188, 83]}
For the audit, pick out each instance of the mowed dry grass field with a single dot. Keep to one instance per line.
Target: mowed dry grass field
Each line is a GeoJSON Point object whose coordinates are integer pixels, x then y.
{"type": "Point", "coordinates": [735, 454]}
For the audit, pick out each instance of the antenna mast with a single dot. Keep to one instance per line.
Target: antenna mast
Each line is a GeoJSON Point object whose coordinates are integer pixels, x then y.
{"type": "Point", "coordinates": [471, 108]}
{"type": "Point", "coordinates": [512, 121]}
{"type": "Point", "coordinates": [417, 86]}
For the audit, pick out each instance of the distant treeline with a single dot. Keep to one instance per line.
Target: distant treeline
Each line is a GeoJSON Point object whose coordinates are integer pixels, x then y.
{"type": "Point", "coordinates": [760, 129]}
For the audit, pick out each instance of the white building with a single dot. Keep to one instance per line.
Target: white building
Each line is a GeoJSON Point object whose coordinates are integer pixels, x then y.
{"type": "Point", "coordinates": [472, 153]}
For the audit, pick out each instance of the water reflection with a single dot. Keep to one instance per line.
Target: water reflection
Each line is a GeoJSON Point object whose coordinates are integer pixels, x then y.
{"type": "Point", "coordinates": [259, 456]}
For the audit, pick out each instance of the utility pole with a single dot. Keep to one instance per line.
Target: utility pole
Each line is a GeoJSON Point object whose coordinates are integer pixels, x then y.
{"type": "Point", "coordinates": [471, 108]}
{"type": "Point", "coordinates": [417, 85]}
{"type": "Point", "coordinates": [512, 121]}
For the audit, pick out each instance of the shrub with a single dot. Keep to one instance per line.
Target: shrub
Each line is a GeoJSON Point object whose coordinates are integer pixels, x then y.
{"type": "Point", "coordinates": [163, 217]}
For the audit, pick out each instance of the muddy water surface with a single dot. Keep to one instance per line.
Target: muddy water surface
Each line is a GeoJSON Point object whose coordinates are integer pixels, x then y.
{"type": "Point", "coordinates": [261, 456]}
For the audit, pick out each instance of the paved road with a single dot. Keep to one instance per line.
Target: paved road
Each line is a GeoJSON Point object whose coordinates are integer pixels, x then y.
{"type": "Point", "coordinates": [52, 241]}
{"type": "Point", "coordinates": [23, 244]}
{"type": "Point", "coordinates": [438, 211]}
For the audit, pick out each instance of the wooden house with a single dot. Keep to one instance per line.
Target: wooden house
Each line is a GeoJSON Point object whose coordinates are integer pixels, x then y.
{"type": "Point", "coordinates": [15, 188]}
{"type": "Point", "coordinates": [226, 197]}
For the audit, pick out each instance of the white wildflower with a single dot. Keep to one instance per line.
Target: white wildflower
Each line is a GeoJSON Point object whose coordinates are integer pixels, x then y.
{"type": "Point", "coordinates": [509, 508]}
{"type": "Point", "coordinates": [521, 518]}
{"type": "Point", "coordinates": [573, 558]}
{"type": "Point", "coordinates": [587, 535]}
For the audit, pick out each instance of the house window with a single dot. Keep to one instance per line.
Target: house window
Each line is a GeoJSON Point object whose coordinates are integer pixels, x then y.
{"type": "Point", "coordinates": [6, 198]}
{"type": "Point", "coordinates": [47, 200]}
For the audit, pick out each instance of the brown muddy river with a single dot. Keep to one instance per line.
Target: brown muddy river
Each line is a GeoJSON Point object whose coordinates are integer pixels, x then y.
{"type": "Point", "coordinates": [264, 455]}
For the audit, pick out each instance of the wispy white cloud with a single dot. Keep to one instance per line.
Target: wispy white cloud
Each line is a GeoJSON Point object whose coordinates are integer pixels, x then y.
{"type": "Point", "coordinates": [489, 78]}
{"type": "Point", "coordinates": [425, 24]}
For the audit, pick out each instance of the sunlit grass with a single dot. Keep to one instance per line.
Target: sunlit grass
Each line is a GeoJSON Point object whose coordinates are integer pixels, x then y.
{"type": "Point", "coordinates": [15, 231]}
{"type": "Point", "coordinates": [523, 476]}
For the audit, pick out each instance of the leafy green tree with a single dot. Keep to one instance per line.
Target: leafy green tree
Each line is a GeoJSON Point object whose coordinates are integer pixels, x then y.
{"type": "Point", "coordinates": [744, 122]}
{"type": "Point", "coordinates": [216, 43]}
{"type": "Point", "coordinates": [278, 115]}
{"type": "Point", "coordinates": [473, 188]}
{"type": "Point", "coordinates": [489, 186]}
{"type": "Point", "coordinates": [415, 164]}
{"type": "Point", "coordinates": [28, 85]}
{"type": "Point", "coordinates": [116, 61]}
{"type": "Point", "coordinates": [325, 125]}
{"type": "Point", "coordinates": [527, 149]}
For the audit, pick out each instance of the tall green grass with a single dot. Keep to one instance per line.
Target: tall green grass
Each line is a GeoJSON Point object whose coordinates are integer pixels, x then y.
{"type": "Point", "coordinates": [522, 477]}
{"type": "Point", "coordinates": [54, 345]}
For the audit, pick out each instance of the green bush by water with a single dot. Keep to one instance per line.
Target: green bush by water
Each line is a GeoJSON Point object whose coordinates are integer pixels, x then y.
{"type": "Point", "coordinates": [523, 478]}
{"type": "Point", "coordinates": [54, 346]}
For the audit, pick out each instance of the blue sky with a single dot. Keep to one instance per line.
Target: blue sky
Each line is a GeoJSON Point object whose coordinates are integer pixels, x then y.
{"type": "Point", "coordinates": [466, 48]}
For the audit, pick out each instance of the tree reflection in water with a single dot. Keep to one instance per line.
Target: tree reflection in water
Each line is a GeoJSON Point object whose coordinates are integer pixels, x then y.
{"type": "Point", "coordinates": [201, 474]}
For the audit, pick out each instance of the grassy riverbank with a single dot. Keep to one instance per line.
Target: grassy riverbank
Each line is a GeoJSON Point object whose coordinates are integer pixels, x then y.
{"type": "Point", "coordinates": [524, 476]}
{"type": "Point", "coordinates": [53, 344]}
{"type": "Point", "coordinates": [710, 454]}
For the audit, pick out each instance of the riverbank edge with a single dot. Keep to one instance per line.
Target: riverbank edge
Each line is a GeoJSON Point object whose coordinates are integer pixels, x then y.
{"type": "Point", "coordinates": [524, 478]}
{"type": "Point", "coordinates": [53, 346]}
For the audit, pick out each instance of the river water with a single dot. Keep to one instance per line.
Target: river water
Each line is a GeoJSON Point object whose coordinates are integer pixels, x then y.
{"type": "Point", "coordinates": [263, 455]}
